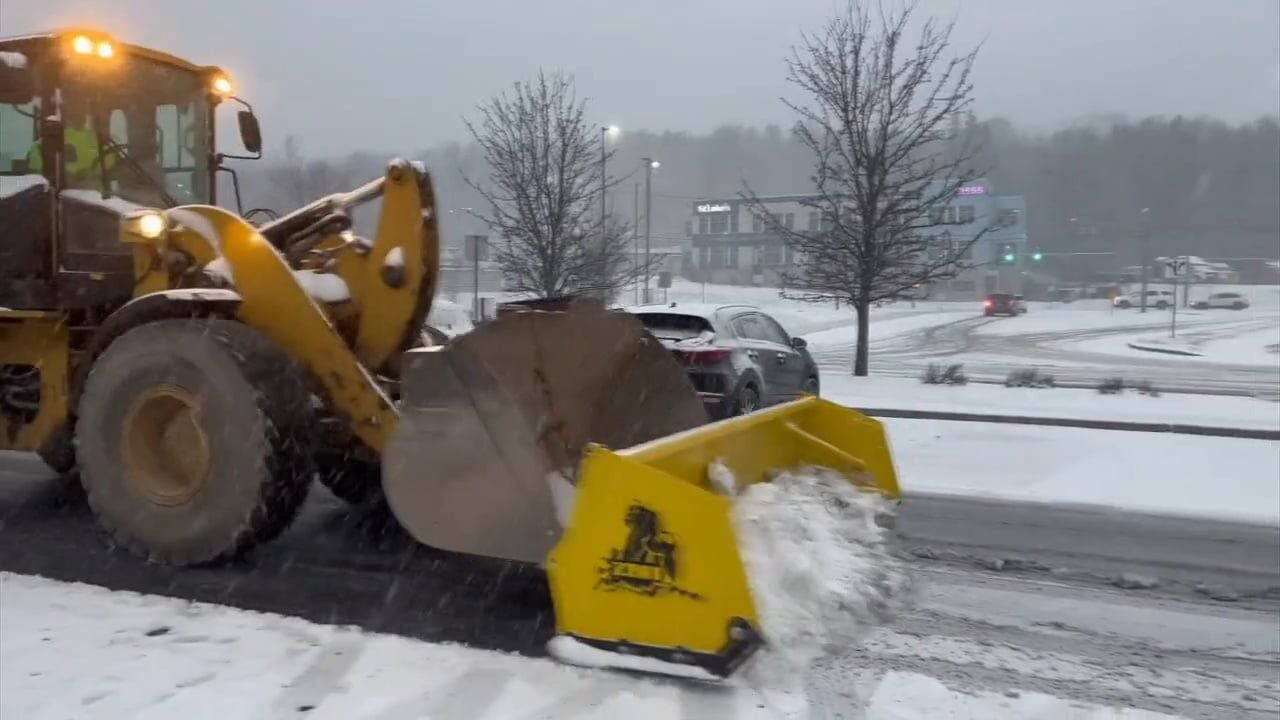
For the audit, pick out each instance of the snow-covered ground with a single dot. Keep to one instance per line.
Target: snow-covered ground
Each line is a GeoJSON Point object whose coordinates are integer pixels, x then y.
{"type": "Point", "coordinates": [910, 394]}
{"type": "Point", "coordinates": [1216, 477]}
{"type": "Point", "coordinates": [1234, 341]}
{"type": "Point", "coordinates": [79, 651]}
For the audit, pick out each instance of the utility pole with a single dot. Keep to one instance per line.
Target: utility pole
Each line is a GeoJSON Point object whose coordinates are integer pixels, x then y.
{"type": "Point", "coordinates": [473, 243]}
{"type": "Point", "coordinates": [1146, 255]}
{"type": "Point", "coordinates": [649, 166]}
{"type": "Point", "coordinates": [635, 241]}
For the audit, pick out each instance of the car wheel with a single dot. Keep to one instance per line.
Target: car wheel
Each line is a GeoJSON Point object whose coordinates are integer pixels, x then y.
{"type": "Point", "coordinates": [1237, 306]}
{"type": "Point", "coordinates": [1162, 305]}
{"type": "Point", "coordinates": [810, 385]}
{"type": "Point", "coordinates": [1123, 305]}
{"type": "Point", "coordinates": [747, 401]}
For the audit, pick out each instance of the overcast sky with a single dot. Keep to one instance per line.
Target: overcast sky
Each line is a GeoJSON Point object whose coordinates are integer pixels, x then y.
{"type": "Point", "coordinates": [397, 76]}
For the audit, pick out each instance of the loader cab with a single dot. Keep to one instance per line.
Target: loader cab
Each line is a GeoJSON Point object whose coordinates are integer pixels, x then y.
{"type": "Point", "coordinates": [90, 129]}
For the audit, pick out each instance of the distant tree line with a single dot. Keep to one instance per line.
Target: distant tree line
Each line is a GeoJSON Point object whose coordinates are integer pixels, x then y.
{"type": "Point", "coordinates": [1212, 188]}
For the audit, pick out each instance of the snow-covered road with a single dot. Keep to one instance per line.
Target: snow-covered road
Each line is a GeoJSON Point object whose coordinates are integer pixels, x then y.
{"type": "Point", "coordinates": [974, 646]}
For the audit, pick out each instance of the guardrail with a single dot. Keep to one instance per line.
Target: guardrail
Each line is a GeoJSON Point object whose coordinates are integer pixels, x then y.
{"type": "Point", "coordinates": [1177, 428]}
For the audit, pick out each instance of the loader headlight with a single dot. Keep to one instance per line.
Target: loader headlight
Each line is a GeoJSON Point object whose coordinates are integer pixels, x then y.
{"type": "Point", "coordinates": [147, 224]}
{"type": "Point", "coordinates": [221, 85]}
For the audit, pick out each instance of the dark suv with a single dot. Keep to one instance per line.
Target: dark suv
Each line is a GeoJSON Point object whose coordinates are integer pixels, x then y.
{"type": "Point", "coordinates": [1003, 304]}
{"type": "Point", "coordinates": [738, 357]}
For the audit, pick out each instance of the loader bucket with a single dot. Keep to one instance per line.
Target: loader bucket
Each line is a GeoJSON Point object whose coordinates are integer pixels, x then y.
{"type": "Point", "coordinates": [494, 423]}
{"type": "Point", "coordinates": [648, 574]}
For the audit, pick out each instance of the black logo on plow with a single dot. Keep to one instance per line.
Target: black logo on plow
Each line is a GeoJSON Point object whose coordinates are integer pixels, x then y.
{"type": "Point", "coordinates": [647, 564]}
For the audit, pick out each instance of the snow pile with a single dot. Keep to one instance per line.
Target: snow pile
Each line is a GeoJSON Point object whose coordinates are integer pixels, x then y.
{"type": "Point", "coordinates": [323, 287]}
{"type": "Point", "coordinates": [820, 567]}
{"type": "Point", "coordinates": [11, 185]}
{"type": "Point", "coordinates": [394, 258]}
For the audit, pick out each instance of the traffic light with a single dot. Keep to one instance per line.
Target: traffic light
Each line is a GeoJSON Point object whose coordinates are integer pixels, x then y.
{"type": "Point", "coordinates": [1007, 255]}
{"type": "Point", "coordinates": [1038, 255]}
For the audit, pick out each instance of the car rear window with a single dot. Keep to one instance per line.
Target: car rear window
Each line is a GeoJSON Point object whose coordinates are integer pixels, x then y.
{"type": "Point", "coordinates": [999, 296]}
{"type": "Point", "coordinates": [674, 326]}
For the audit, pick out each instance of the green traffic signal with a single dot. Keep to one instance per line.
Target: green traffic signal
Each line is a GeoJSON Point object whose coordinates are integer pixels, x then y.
{"type": "Point", "coordinates": [1037, 256]}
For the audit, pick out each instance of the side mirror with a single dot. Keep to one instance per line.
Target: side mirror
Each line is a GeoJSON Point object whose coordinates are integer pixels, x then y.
{"type": "Point", "coordinates": [250, 132]}
{"type": "Point", "coordinates": [17, 81]}
{"type": "Point", "coordinates": [799, 343]}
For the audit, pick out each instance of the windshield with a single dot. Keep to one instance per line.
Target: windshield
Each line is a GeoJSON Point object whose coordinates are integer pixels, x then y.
{"type": "Point", "coordinates": [154, 127]}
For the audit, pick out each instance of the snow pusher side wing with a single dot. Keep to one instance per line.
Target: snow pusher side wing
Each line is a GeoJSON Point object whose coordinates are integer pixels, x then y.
{"type": "Point", "coordinates": [649, 566]}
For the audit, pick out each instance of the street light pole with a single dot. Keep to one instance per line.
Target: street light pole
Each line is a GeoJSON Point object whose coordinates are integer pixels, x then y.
{"type": "Point", "coordinates": [649, 166]}
{"type": "Point", "coordinates": [605, 132]}
{"type": "Point", "coordinates": [1146, 255]}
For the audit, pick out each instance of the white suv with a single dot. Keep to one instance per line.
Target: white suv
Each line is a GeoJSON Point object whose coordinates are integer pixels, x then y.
{"type": "Point", "coordinates": [1231, 300]}
{"type": "Point", "coordinates": [1159, 299]}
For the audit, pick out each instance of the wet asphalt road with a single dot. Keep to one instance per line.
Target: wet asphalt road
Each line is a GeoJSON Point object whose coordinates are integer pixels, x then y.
{"type": "Point", "coordinates": [336, 565]}
{"type": "Point", "coordinates": [1116, 608]}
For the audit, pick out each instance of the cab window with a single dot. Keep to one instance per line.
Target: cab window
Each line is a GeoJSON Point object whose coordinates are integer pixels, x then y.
{"type": "Point", "coordinates": [19, 110]}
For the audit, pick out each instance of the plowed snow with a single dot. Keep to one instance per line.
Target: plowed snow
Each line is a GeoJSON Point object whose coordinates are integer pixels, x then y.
{"type": "Point", "coordinates": [820, 567]}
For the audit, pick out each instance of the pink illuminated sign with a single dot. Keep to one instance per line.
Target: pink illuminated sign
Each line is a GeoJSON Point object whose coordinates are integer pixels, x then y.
{"type": "Point", "coordinates": [971, 190]}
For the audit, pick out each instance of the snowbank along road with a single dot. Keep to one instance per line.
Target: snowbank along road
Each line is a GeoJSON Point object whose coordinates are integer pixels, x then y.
{"type": "Point", "coordinates": [1103, 608]}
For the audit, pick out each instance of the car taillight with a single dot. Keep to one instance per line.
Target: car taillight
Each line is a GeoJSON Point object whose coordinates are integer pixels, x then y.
{"type": "Point", "coordinates": [986, 303]}
{"type": "Point", "coordinates": [703, 356]}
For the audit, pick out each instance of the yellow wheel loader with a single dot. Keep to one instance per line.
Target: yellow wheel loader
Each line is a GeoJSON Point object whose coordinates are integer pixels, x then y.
{"type": "Point", "coordinates": [201, 371]}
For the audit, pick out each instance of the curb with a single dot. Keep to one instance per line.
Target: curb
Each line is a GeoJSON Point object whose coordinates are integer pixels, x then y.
{"type": "Point", "coordinates": [1176, 428]}
{"type": "Point", "coordinates": [1167, 351]}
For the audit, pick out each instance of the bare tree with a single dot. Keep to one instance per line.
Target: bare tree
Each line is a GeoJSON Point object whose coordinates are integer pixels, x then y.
{"type": "Point", "coordinates": [543, 192]}
{"type": "Point", "coordinates": [880, 120]}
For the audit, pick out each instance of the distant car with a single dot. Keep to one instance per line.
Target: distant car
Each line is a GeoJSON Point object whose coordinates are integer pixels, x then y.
{"type": "Point", "coordinates": [1230, 300]}
{"type": "Point", "coordinates": [1159, 299]}
{"type": "Point", "coordinates": [1004, 304]}
{"type": "Point", "coordinates": [738, 357]}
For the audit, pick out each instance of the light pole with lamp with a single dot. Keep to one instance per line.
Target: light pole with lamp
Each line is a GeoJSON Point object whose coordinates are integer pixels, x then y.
{"type": "Point", "coordinates": [606, 132]}
{"type": "Point", "coordinates": [649, 166]}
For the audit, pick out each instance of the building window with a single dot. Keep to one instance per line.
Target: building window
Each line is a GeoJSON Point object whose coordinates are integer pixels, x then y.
{"type": "Point", "coordinates": [828, 222]}
{"type": "Point", "coordinates": [964, 285]}
{"type": "Point", "coordinates": [950, 216]}
{"type": "Point", "coordinates": [789, 221]}
{"type": "Point", "coordinates": [719, 257]}
{"type": "Point", "coordinates": [966, 214]}
{"type": "Point", "coordinates": [703, 224]}
{"type": "Point", "coordinates": [813, 221]}
{"type": "Point", "coordinates": [718, 223]}
{"type": "Point", "coordinates": [1007, 217]}
{"type": "Point", "coordinates": [771, 255]}
{"type": "Point", "coordinates": [757, 224]}
{"type": "Point", "coordinates": [935, 215]}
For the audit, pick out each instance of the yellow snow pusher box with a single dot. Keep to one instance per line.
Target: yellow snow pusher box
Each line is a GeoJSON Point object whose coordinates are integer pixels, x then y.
{"type": "Point", "coordinates": [601, 465]}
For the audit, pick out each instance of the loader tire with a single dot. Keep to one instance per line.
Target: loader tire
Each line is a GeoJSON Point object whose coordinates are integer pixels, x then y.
{"type": "Point", "coordinates": [194, 440]}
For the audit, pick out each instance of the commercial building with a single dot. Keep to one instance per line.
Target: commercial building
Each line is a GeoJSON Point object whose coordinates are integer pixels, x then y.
{"type": "Point", "coordinates": [732, 246]}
